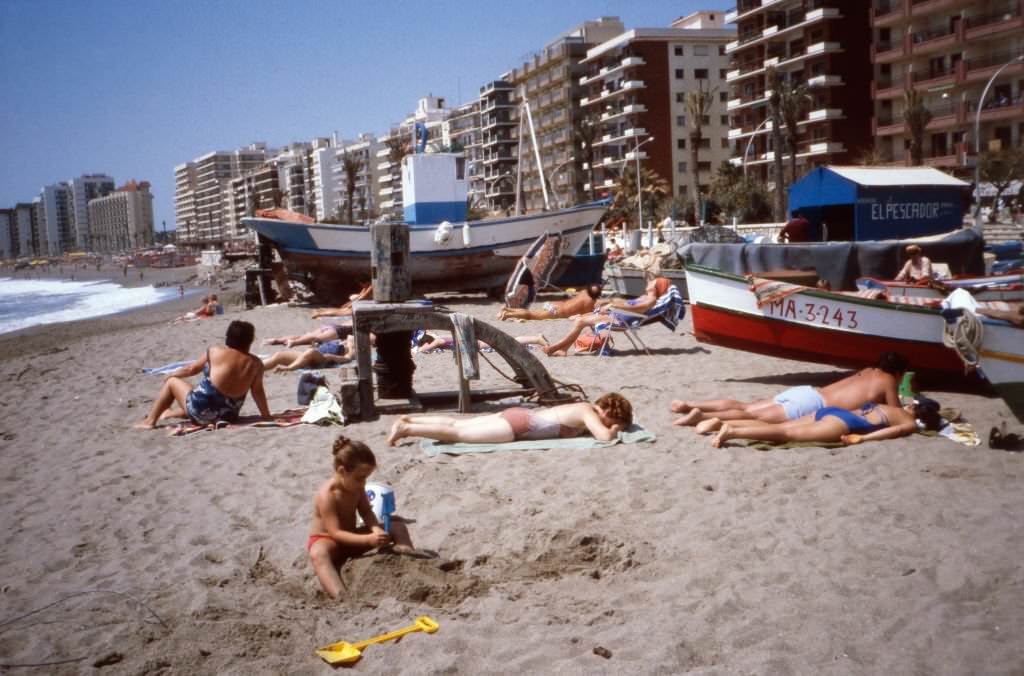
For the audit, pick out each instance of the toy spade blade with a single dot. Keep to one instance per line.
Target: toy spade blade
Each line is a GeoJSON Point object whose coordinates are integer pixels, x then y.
{"type": "Point", "coordinates": [346, 653]}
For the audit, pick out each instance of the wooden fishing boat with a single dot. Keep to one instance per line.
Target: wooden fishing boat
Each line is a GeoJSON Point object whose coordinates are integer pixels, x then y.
{"type": "Point", "coordinates": [1001, 360]}
{"type": "Point", "coordinates": [1006, 287]}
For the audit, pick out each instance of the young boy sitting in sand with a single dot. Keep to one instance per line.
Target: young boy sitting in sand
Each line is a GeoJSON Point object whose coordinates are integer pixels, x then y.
{"type": "Point", "coordinates": [333, 534]}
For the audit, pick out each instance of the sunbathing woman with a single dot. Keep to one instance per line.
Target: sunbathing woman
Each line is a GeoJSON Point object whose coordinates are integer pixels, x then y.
{"type": "Point", "coordinates": [602, 419]}
{"type": "Point", "coordinates": [426, 342]}
{"type": "Point", "coordinates": [872, 422]}
{"type": "Point", "coordinates": [605, 313]}
{"type": "Point", "coordinates": [229, 373]}
{"type": "Point", "coordinates": [331, 352]}
{"type": "Point", "coordinates": [579, 304]}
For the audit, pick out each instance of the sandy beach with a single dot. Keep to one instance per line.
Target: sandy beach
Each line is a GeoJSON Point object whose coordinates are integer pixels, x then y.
{"type": "Point", "coordinates": [187, 555]}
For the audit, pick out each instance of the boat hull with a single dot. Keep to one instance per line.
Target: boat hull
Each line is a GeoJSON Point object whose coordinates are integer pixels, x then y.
{"type": "Point", "coordinates": [818, 326]}
{"type": "Point", "coordinates": [334, 259]}
{"type": "Point", "coordinates": [1008, 288]}
{"type": "Point", "coordinates": [1001, 360]}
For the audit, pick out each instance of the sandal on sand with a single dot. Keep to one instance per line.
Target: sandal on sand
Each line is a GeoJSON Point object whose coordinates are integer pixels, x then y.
{"type": "Point", "coordinates": [999, 439]}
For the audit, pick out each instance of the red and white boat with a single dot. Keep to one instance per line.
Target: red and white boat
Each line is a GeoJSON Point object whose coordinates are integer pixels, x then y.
{"type": "Point", "coordinates": [1007, 287]}
{"type": "Point", "coordinates": [1001, 360]}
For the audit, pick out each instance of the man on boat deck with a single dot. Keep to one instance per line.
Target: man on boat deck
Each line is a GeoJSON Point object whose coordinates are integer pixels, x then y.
{"type": "Point", "coordinates": [917, 269]}
{"type": "Point", "coordinates": [878, 385]}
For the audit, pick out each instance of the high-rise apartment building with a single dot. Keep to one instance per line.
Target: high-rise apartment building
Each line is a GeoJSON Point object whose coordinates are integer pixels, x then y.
{"type": "Point", "coordinates": [8, 234]}
{"type": "Point", "coordinates": [823, 44]}
{"type": "Point", "coordinates": [948, 51]}
{"type": "Point", "coordinates": [25, 225]}
{"type": "Point", "coordinates": [57, 233]}
{"type": "Point", "coordinates": [122, 220]}
{"type": "Point", "coordinates": [550, 82]}
{"type": "Point", "coordinates": [494, 177]}
{"type": "Point", "coordinates": [82, 190]}
{"type": "Point", "coordinates": [203, 200]}
{"type": "Point", "coordinates": [461, 133]}
{"type": "Point", "coordinates": [363, 152]}
{"type": "Point", "coordinates": [637, 85]}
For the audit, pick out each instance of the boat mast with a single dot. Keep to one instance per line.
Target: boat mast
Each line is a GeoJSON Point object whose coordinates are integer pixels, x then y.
{"type": "Point", "coordinates": [536, 152]}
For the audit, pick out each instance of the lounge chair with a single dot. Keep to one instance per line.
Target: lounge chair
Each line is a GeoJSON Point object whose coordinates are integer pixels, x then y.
{"type": "Point", "coordinates": [668, 310]}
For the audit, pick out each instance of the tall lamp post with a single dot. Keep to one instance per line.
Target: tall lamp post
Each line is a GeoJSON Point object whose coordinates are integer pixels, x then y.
{"type": "Point", "coordinates": [639, 193]}
{"type": "Point", "coordinates": [977, 138]}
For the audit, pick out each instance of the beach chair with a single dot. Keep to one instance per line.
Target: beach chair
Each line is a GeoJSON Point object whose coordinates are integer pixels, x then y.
{"type": "Point", "coordinates": [669, 310]}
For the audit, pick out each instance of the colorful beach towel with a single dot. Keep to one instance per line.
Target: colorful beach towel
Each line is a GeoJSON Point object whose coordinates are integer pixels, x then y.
{"type": "Point", "coordinates": [767, 291]}
{"type": "Point", "coordinates": [289, 418]}
{"type": "Point", "coordinates": [635, 434]}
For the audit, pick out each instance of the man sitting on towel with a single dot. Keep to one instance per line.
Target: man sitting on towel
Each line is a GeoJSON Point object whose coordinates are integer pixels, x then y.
{"type": "Point", "coordinates": [878, 385]}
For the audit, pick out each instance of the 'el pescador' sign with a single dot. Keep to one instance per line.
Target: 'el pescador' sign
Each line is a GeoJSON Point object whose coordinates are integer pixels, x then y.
{"type": "Point", "coordinates": [900, 211]}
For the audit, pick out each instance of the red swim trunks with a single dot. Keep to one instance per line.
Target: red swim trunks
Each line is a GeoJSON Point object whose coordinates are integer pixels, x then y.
{"type": "Point", "coordinates": [313, 538]}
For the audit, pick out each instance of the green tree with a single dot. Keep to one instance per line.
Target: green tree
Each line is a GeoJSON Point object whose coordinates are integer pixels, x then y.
{"type": "Point", "coordinates": [698, 103]}
{"type": "Point", "coordinates": [741, 196]}
{"type": "Point", "coordinates": [350, 166]}
{"type": "Point", "coordinates": [794, 102]}
{"type": "Point", "coordinates": [916, 116]}
{"type": "Point", "coordinates": [1000, 168]}
{"type": "Point", "coordinates": [656, 191]}
{"type": "Point", "coordinates": [774, 81]}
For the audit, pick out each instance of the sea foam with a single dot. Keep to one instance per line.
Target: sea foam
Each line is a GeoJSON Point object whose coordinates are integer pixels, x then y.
{"type": "Point", "coordinates": [31, 302]}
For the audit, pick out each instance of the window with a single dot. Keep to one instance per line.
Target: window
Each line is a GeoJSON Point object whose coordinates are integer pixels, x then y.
{"type": "Point", "coordinates": [680, 97]}
{"type": "Point", "coordinates": [700, 73]}
{"type": "Point", "coordinates": [725, 143]}
{"type": "Point", "coordinates": [721, 50]}
{"type": "Point", "coordinates": [704, 166]}
{"type": "Point", "coordinates": [705, 119]}
{"type": "Point", "coordinates": [721, 74]}
{"type": "Point", "coordinates": [682, 190]}
{"type": "Point", "coordinates": [723, 96]}
{"type": "Point", "coordinates": [678, 50]}
{"type": "Point", "coordinates": [724, 120]}
{"type": "Point", "coordinates": [705, 143]}
{"type": "Point", "coordinates": [681, 143]}
{"type": "Point", "coordinates": [681, 167]}
{"type": "Point", "coordinates": [700, 50]}
{"type": "Point", "coordinates": [680, 120]}
{"type": "Point", "coordinates": [680, 73]}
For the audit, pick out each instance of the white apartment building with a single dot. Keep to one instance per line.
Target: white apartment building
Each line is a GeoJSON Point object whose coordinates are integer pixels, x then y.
{"type": "Point", "coordinates": [203, 200]}
{"type": "Point", "coordinates": [81, 190]}
{"type": "Point", "coordinates": [26, 234]}
{"type": "Point", "coordinates": [122, 220]}
{"type": "Point", "coordinates": [325, 189]}
{"type": "Point", "coordinates": [461, 132]}
{"type": "Point", "coordinates": [364, 151]}
{"type": "Point", "coordinates": [637, 85]}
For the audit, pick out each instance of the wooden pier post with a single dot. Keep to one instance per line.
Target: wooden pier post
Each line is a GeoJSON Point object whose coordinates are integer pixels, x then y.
{"type": "Point", "coordinates": [389, 272]}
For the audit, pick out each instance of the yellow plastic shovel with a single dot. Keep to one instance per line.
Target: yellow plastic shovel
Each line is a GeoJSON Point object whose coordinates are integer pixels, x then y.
{"type": "Point", "coordinates": [346, 653]}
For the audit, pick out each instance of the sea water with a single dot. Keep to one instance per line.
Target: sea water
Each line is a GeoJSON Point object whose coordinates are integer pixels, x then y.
{"type": "Point", "coordinates": [31, 302]}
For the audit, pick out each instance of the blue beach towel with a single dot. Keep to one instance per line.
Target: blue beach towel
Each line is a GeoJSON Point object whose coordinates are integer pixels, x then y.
{"type": "Point", "coordinates": [635, 434]}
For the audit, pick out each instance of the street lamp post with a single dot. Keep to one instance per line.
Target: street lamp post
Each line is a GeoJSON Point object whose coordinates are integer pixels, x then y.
{"type": "Point", "coordinates": [639, 193]}
{"type": "Point", "coordinates": [977, 138]}
{"type": "Point", "coordinates": [751, 141]}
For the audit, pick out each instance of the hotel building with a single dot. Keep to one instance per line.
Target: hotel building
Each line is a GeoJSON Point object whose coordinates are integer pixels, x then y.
{"type": "Point", "coordinates": [820, 43]}
{"type": "Point", "coordinates": [122, 220]}
{"type": "Point", "coordinates": [81, 191]}
{"type": "Point", "coordinates": [550, 81]}
{"type": "Point", "coordinates": [948, 50]}
{"type": "Point", "coordinates": [636, 86]}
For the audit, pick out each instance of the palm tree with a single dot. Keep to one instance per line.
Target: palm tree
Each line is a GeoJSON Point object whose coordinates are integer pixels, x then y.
{"type": "Point", "coordinates": [350, 165]}
{"type": "Point", "coordinates": [585, 133]}
{"type": "Point", "coordinates": [916, 116]}
{"type": "Point", "coordinates": [655, 191]}
{"type": "Point", "coordinates": [794, 102]}
{"type": "Point", "coordinates": [697, 105]}
{"type": "Point", "coordinates": [775, 108]}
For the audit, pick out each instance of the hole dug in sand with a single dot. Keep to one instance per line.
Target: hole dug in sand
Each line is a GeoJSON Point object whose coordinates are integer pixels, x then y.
{"type": "Point", "coordinates": [568, 552]}
{"type": "Point", "coordinates": [427, 581]}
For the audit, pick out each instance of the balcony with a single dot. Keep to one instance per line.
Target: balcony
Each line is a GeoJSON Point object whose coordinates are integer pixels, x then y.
{"type": "Point", "coordinates": [920, 8]}
{"type": "Point", "coordinates": [625, 110]}
{"type": "Point", "coordinates": [825, 114]}
{"type": "Point", "coordinates": [983, 25]}
{"type": "Point", "coordinates": [887, 52]}
{"type": "Point", "coordinates": [757, 98]}
{"type": "Point", "coordinates": [998, 108]}
{"type": "Point", "coordinates": [825, 81]}
{"type": "Point", "coordinates": [927, 42]}
{"type": "Point", "coordinates": [982, 68]}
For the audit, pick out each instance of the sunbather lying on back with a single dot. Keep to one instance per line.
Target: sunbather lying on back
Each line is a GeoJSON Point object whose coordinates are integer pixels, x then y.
{"type": "Point", "coordinates": [872, 422]}
{"type": "Point", "coordinates": [605, 312]}
{"type": "Point", "coordinates": [426, 342]}
{"type": "Point", "coordinates": [331, 352]}
{"type": "Point", "coordinates": [581, 303]}
{"type": "Point", "coordinates": [879, 385]}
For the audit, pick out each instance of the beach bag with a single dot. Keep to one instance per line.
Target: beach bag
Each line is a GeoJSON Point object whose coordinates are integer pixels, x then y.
{"type": "Point", "coordinates": [592, 343]}
{"type": "Point", "coordinates": [308, 383]}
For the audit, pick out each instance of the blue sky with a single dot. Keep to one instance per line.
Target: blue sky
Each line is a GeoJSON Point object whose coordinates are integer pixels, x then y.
{"type": "Point", "coordinates": [132, 89]}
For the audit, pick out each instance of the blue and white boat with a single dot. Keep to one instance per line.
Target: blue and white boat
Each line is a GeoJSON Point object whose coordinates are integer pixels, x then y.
{"type": "Point", "coordinates": [447, 252]}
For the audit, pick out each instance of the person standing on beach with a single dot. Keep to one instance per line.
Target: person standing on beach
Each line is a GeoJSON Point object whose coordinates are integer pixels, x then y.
{"type": "Point", "coordinates": [878, 385]}
{"type": "Point", "coordinates": [333, 533]}
{"type": "Point", "coordinates": [797, 229]}
{"type": "Point", "coordinates": [229, 373]}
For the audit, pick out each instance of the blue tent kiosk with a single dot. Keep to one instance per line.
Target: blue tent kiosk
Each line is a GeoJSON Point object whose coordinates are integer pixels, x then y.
{"type": "Point", "coordinates": [870, 203]}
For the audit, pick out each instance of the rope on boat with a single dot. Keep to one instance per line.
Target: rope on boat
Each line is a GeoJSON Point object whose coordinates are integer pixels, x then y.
{"type": "Point", "coordinates": [965, 336]}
